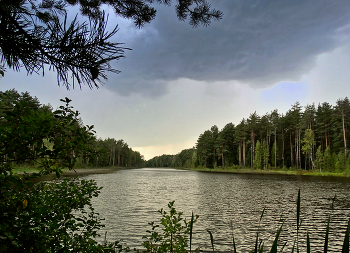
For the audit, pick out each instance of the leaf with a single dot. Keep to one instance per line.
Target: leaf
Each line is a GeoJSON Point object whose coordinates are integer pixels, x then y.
{"type": "Point", "coordinates": [25, 204]}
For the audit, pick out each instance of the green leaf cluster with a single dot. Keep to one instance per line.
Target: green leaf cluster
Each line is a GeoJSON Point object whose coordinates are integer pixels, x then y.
{"type": "Point", "coordinates": [53, 216]}
{"type": "Point", "coordinates": [35, 135]}
{"type": "Point", "coordinates": [172, 234]}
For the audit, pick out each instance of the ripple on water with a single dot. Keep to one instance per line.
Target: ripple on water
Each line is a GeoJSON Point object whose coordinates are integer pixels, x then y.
{"type": "Point", "coordinates": [130, 199]}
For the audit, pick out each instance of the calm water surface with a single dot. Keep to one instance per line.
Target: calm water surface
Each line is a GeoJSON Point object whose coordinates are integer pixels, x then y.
{"type": "Point", "coordinates": [130, 199]}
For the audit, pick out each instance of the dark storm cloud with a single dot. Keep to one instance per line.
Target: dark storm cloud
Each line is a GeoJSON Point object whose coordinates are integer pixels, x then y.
{"type": "Point", "coordinates": [257, 42]}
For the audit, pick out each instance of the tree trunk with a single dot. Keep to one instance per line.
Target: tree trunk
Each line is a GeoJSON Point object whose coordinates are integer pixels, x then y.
{"type": "Point", "coordinates": [244, 153]}
{"type": "Point", "coordinates": [275, 148]}
{"type": "Point", "coordinates": [251, 157]}
{"type": "Point", "coordinates": [222, 157]}
{"type": "Point", "coordinates": [253, 149]}
{"type": "Point", "coordinates": [299, 149]}
{"type": "Point", "coordinates": [240, 154]}
{"type": "Point", "coordinates": [345, 149]}
{"type": "Point", "coordinates": [282, 149]}
{"type": "Point", "coordinates": [114, 156]}
{"type": "Point", "coordinates": [296, 150]}
{"type": "Point", "coordinates": [291, 149]}
{"type": "Point", "coordinates": [312, 163]}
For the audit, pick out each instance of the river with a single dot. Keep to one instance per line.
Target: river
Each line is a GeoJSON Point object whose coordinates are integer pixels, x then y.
{"type": "Point", "coordinates": [130, 199]}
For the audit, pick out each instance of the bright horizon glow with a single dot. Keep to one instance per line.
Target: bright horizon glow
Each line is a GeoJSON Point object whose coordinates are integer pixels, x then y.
{"type": "Point", "coordinates": [171, 149]}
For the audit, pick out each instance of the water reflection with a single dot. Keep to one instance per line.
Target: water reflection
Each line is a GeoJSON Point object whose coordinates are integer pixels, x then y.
{"type": "Point", "coordinates": [130, 199]}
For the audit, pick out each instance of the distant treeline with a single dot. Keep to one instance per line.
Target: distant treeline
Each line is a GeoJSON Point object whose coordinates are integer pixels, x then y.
{"type": "Point", "coordinates": [29, 117]}
{"type": "Point", "coordinates": [307, 137]}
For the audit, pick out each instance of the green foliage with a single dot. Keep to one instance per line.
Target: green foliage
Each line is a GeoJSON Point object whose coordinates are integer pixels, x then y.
{"type": "Point", "coordinates": [328, 159]}
{"type": "Point", "coordinates": [319, 161]}
{"type": "Point", "coordinates": [49, 217]}
{"type": "Point", "coordinates": [110, 152]}
{"type": "Point", "coordinates": [282, 142]}
{"type": "Point", "coordinates": [45, 217]}
{"type": "Point", "coordinates": [171, 235]}
{"type": "Point", "coordinates": [258, 155]}
{"type": "Point", "coordinates": [308, 143]}
{"type": "Point", "coordinates": [265, 154]}
{"type": "Point", "coordinates": [340, 163]}
{"type": "Point", "coordinates": [273, 155]}
{"type": "Point", "coordinates": [33, 134]}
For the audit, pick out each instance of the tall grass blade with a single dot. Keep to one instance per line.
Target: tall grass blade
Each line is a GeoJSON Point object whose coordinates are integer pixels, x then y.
{"type": "Point", "coordinates": [234, 245]}
{"type": "Point", "coordinates": [257, 234]}
{"type": "Point", "coordinates": [262, 214]}
{"type": "Point", "coordinates": [346, 239]}
{"type": "Point", "coordinates": [211, 240]}
{"type": "Point", "coordinates": [284, 245]}
{"type": "Point", "coordinates": [325, 248]}
{"type": "Point", "coordinates": [233, 238]}
{"type": "Point", "coordinates": [256, 243]}
{"type": "Point", "coordinates": [293, 246]}
{"type": "Point", "coordinates": [275, 243]}
{"type": "Point", "coordinates": [326, 239]}
{"type": "Point", "coordinates": [261, 249]}
{"type": "Point", "coordinates": [191, 227]}
{"type": "Point", "coordinates": [308, 248]}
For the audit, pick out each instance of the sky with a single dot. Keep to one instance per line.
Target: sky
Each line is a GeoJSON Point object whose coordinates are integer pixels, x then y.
{"type": "Point", "coordinates": [178, 81]}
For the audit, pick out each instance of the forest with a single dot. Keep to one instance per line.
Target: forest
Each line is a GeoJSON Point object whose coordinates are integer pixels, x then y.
{"type": "Point", "coordinates": [303, 138]}
{"type": "Point", "coordinates": [24, 116]}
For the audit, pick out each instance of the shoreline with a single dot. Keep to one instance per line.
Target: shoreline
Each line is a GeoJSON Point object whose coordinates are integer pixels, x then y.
{"type": "Point", "coordinates": [78, 173]}
{"type": "Point", "coordinates": [81, 172]}
{"type": "Point", "coordinates": [294, 173]}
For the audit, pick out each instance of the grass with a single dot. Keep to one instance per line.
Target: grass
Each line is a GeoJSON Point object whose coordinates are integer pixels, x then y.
{"type": "Point", "coordinates": [277, 171]}
{"type": "Point", "coordinates": [20, 169]}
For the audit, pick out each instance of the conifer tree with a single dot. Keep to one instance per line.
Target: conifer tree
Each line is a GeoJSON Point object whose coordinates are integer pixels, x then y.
{"type": "Point", "coordinates": [36, 35]}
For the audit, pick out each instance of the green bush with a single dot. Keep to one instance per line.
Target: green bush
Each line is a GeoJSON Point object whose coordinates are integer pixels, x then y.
{"type": "Point", "coordinates": [50, 217]}
{"type": "Point", "coordinates": [173, 234]}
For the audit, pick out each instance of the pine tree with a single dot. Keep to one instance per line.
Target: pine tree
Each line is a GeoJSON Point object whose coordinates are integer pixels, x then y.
{"type": "Point", "coordinates": [36, 34]}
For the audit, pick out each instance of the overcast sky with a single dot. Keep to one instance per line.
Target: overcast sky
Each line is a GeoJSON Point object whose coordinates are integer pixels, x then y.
{"type": "Point", "coordinates": [177, 81]}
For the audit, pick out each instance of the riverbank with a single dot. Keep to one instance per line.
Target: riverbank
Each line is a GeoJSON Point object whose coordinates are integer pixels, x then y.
{"type": "Point", "coordinates": [274, 172]}
{"type": "Point", "coordinates": [71, 173]}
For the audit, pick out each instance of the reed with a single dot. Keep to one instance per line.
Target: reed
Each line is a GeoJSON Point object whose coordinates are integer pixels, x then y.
{"type": "Point", "coordinates": [153, 243]}
{"type": "Point", "coordinates": [274, 248]}
{"type": "Point", "coordinates": [191, 230]}
{"type": "Point", "coordinates": [211, 240]}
